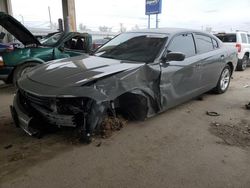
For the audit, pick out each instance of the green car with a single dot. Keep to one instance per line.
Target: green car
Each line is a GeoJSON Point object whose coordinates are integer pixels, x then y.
{"type": "Point", "coordinates": [14, 63]}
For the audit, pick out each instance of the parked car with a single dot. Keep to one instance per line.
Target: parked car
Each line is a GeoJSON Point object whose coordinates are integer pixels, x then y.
{"type": "Point", "coordinates": [240, 40]}
{"type": "Point", "coordinates": [6, 47]}
{"type": "Point", "coordinates": [137, 75]}
{"type": "Point", "coordinates": [60, 45]}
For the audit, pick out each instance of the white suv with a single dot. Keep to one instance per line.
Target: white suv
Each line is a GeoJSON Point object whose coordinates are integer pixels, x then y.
{"type": "Point", "coordinates": [241, 40]}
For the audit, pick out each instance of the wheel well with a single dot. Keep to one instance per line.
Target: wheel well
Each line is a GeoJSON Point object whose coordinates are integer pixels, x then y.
{"type": "Point", "coordinates": [10, 78]}
{"type": "Point", "coordinates": [247, 54]}
{"type": "Point", "coordinates": [231, 66]}
{"type": "Point", "coordinates": [132, 106]}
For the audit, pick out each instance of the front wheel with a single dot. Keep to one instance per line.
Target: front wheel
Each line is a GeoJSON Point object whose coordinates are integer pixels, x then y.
{"type": "Point", "coordinates": [224, 80]}
{"type": "Point", "coordinates": [21, 70]}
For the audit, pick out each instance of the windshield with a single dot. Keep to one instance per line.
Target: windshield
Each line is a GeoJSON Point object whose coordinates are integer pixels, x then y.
{"type": "Point", "coordinates": [142, 47]}
{"type": "Point", "coordinates": [51, 41]}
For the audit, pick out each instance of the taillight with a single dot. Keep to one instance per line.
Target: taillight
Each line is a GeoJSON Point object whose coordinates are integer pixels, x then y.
{"type": "Point", "coordinates": [238, 46]}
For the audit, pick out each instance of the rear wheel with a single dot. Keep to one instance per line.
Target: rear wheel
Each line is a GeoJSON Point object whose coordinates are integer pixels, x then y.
{"type": "Point", "coordinates": [242, 65]}
{"type": "Point", "coordinates": [22, 69]}
{"type": "Point", "coordinates": [224, 80]}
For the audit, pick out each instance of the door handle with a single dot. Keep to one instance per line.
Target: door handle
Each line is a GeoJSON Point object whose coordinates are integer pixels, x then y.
{"type": "Point", "coordinates": [222, 56]}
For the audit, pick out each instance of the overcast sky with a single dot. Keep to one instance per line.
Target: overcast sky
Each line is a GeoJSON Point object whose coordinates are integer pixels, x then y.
{"type": "Point", "coordinates": [219, 14]}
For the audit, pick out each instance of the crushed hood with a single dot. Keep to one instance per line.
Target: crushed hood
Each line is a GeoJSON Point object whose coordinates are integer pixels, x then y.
{"type": "Point", "coordinates": [78, 71]}
{"type": "Point", "coordinates": [15, 28]}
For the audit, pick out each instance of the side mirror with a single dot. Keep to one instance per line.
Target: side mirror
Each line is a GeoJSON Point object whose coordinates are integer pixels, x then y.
{"type": "Point", "coordinates": [173, 56]}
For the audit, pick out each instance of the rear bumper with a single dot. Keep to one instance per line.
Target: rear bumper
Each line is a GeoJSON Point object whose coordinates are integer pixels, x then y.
{"type": "Point", "coordinates": [21, 119]}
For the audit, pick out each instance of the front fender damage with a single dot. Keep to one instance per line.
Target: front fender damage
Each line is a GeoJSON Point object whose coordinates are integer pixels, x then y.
{"type": "Point", "coordinates": [133, 95]}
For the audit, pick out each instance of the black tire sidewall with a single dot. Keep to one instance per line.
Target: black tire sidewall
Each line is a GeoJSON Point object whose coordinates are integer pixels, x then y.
{"type": "Point", "coordinates": [244, 61]}
{"type": "Point", "coordinates": [241, 62]}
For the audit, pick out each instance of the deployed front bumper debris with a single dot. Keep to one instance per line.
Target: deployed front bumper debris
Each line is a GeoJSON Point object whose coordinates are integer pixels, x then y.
{"type": "Point", "coordinates": [21, 119]}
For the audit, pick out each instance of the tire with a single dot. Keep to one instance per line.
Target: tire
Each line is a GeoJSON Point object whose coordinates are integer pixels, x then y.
{"type": "Point", "coordinates": [21, 70]}
{"type": "Point", "coordinates": [242, 64]}
{"type": "Point", "coordinates": [224, 80]}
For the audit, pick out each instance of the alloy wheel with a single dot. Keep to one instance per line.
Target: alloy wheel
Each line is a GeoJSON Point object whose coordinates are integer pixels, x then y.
{"type": "Point", "coordinates": [225, 79]}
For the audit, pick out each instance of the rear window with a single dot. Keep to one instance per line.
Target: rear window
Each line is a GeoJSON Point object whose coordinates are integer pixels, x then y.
{"type": "Point", "coordinates": [227, 37]}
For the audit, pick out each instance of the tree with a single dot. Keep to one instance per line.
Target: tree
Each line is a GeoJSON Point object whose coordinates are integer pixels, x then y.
{"type": "Point", "coordinates": [104, 28]}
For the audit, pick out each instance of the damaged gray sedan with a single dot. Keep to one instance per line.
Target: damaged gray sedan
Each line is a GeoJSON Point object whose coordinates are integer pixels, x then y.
{"type": "Point", "coordinates": [136, 75]}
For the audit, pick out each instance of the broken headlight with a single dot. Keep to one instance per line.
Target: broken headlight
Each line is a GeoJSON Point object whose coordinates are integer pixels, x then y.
{"type": "Point", "coordinates": [70, 106]}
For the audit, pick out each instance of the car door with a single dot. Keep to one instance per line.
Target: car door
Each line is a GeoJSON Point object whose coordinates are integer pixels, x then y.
{"type": "Point", "coordinates": [210, 60]}
{"type": "Point", "coordinates": [180, 79]}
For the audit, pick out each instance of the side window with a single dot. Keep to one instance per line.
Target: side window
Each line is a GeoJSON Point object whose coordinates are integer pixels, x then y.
{"type": "Point", "coordinates": [248, 36]}
{"type": "Point", "coordinates": [243, 38]}
{"type": "Point", "coordinates": [203, 43]}
{"type": "Point", "coordinates": [76, 43]}
{"type": "Point", "coordinates": [215, 43]}
{"type": "Point", "coordinates": [70, 44]}
{"type": "Point", "coordinates": [183, 43]}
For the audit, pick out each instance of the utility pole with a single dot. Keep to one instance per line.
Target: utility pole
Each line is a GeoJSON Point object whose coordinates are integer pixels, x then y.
{"type": "Point", "coordinates": [149, 21]}
{"type": "Point", "coordinates": [156, 22]}
{"type": "Point", "coordinates": [50, 18]}
{"type": "Point", "coordinates": [153, 7]}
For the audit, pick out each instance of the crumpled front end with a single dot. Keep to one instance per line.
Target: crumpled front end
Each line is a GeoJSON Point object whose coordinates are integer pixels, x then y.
{"type": "Point", "coordinates": [132, 94]}
{"type": "Point", "coordinates": [32, 112]}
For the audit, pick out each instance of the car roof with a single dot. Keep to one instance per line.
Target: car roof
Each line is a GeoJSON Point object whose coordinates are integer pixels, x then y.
{"type": "Point", "coordinates": [167, 30]}
{"type": "Point", "coordinates": [231, 33]}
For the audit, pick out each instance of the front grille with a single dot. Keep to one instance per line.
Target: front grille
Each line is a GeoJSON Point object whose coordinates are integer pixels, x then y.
{"type": "Point", "coordinates": [60, 112]}
{"type": "Point", "coordinates": [33, 99]}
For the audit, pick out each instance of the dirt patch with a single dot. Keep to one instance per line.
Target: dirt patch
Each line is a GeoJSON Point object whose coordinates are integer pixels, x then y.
{"type": "Point", "coordinates": [232, 134]}
{"type": "Point", "coordinates": [110, 125]}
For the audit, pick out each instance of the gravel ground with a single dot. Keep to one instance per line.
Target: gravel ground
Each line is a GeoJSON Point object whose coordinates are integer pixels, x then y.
{"type": "Point", "coordinates": [183, 147]}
